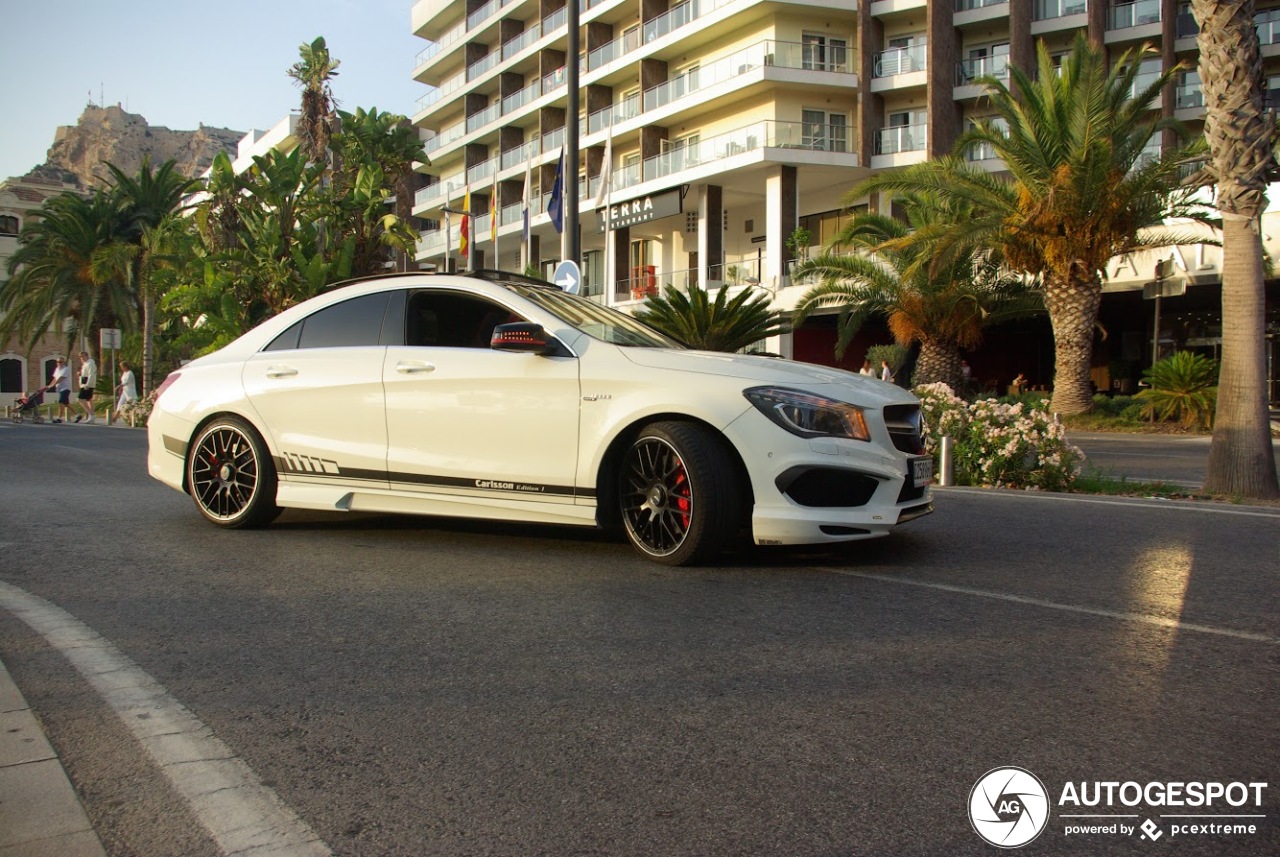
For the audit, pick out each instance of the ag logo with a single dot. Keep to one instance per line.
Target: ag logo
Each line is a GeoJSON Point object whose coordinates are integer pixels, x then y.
{"type": "Point", "coordinates": [1008, 807]}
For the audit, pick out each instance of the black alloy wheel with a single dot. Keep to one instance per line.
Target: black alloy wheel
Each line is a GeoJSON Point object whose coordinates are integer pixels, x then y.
{"type": "Point", "coordinates": [679, 493]}
{"type": "Point", "coordinates": [230, 475]}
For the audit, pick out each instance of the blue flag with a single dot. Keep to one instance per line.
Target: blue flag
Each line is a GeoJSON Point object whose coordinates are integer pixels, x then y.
{"type": "Point", "coordinates": [555, 207]}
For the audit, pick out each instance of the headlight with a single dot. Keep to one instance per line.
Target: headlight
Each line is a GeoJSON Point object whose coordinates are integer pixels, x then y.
{"type": "Point", "coordinates": [807, 415]}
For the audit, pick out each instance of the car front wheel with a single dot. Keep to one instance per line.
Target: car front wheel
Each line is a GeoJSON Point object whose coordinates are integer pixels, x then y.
{"type": "Point", "coordinates": [231, 476]}
{"type": "Point", "coordinates": [680, 493]}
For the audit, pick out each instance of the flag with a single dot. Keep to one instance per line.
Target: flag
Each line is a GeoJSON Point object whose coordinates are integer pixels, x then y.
{"type": "Point", "coordinates": [606, 171]}
{"type": "Point", "coordinates": [528, 192]}
{"type": "Point", "coordinates": [464, 242]}
{"type": "Point", "coordinates": [556, 206]}
{"type": "Point", "coordinates": [493, 217]}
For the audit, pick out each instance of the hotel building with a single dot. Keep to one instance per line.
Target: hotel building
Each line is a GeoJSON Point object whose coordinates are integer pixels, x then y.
{"type": "Point", "coordinates": [733, 122]}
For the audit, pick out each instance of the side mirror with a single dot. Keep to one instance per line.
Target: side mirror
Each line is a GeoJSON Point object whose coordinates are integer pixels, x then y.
{"type": "Point", "coordinates": [523, 337]}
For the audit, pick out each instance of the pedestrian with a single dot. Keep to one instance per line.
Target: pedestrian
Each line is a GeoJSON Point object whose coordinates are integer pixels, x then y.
{"type": "Point", "coordinates": [866, 368]}
{"type": "Point", "coordinates": [61, 384]}
{"type": "Point", "coordinates": [886, 374]}
{"type": "Point", "coordinates": [127, 389]}
{"type": "Point", "coordinates": [1019, 384]}
{"type": "Point", "coordinates": [88, 380]}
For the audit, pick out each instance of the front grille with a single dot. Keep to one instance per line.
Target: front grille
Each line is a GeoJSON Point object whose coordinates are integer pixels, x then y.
{"type": "Point", "coordinates": [903, 423]}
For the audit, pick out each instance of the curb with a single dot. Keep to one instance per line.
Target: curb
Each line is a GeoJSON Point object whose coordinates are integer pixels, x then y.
{"type": "Point", "coordinates": [40, 812]}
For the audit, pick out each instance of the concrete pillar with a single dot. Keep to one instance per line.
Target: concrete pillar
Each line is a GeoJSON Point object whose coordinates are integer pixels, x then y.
{"type": "Point", "coordinates": [781, 219]}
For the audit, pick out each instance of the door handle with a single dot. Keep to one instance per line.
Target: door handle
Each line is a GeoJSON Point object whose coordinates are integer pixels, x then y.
{"type": "Point", "coordinates": [281, 371]}
{"type": "Point", "coordinates": [411, 367]}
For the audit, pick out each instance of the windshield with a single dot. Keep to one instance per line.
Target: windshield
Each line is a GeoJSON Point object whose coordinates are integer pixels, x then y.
{"type": "Point", "coordinates": [596, 321]}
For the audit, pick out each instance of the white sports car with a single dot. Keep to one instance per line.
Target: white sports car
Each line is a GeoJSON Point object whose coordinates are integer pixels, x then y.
{"type": "Point", "coordinates": [495, 396]}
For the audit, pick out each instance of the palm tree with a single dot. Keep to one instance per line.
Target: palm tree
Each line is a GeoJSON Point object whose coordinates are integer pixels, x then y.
{"type": "Point", "coordinates": [943, 307]}
{"type": "Point", "coordinates": [376, 154]}
{"type": "Point", "coordinates": [1241, 141]}
{"type": "Point", "coordinates": [1081, 190]}
{"type": "Point", "coordinates": [149, 203]}
{"type": "Point", "coordinates": [725, 325]}
{"type": "Point", "coordinates": [52, 280]}
{"type": "Point", "coordinates": [313, 72]}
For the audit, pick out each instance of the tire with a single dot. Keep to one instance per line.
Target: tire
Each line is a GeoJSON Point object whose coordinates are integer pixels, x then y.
{"type": "Point", "coordinates": [679, 494]}
{"type": "Point", "coordinates": [231, 476]}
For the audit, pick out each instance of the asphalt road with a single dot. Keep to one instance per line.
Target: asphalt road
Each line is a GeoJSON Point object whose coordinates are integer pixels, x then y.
{"type": "Point", "coordinates": [426, 687]}
{"type": "Point", "coordinates": [1173, 459]}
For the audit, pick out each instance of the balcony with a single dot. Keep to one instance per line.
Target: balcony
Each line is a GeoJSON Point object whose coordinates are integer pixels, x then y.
{"type": "Point", "coordinates": [970, 5]}
{"type": "Point", "coordinates": [750, 138]}
{"type": "Point", "coordinates": [1268, 25]}
{"type": "Point", "coordinates": [968, 71]}
{"type": "Point", "coordinates": [1126, 15]}
{"type": "Point", "coordinates": [902, 138]}
{"type": "Point", "coordinates": [1048, 10]}
{"type": "Point", "coordinates": [766, 54]}
{"type": "Point", "coordinates": [1189, 96]}
{"type": "Point", "coordinates": [652, 30]}
{"type": "Point", "coordinates": [897, 61]}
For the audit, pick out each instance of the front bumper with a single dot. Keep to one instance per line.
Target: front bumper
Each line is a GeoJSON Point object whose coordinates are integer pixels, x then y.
{"type": "Point", "coordinates": [826, 490]}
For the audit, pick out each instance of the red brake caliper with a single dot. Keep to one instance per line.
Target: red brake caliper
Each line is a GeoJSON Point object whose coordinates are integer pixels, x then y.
{"type": "Point", "coordinates": [682, 501]}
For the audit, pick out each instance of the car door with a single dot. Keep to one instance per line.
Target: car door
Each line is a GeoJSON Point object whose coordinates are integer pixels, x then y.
{"type": "Point", "coordinates": [318, 391]}
{"type": "Point", "coordinates": [464, 418]}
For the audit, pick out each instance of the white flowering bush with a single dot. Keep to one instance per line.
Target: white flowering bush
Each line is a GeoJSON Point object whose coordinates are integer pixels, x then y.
{"type": "Point", "coordinates": [137, 411]}
{"type": "Point", "coordinates": [998, 445]}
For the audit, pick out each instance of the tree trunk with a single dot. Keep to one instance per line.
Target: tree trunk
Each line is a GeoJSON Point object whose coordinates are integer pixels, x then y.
{"type": "Point", "coordinates": [938, 361]}
{"type": "Point", "coordinates": [1073, 309]}
{"type": "Point", "coordinates": [148, 339]}
{"type": "Point", "coordinates": [1240, 456]}
{"type": "Point", "coordinates": [1240, 139]}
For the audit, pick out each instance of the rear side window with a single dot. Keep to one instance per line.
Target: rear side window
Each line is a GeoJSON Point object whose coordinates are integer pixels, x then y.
{"type": "Point", "coordinates": [348, 324]}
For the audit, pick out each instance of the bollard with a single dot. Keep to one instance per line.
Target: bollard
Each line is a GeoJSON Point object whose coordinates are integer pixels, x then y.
{"type": "Point", "coordinates": [946, 463]}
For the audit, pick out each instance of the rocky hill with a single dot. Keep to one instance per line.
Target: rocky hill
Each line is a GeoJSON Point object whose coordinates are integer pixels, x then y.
{"type": "Point", "coordinates": [110, 135]}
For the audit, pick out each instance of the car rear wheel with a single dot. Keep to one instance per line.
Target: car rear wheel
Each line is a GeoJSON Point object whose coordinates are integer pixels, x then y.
{"type": "Point", "coordinates": [680, 493]}
{"type": "Point", "coordinates": [231, 475]}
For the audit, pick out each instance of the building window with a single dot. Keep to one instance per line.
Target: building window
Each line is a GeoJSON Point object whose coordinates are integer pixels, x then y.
{"type": "Point", "coordinates": [13, 375]}
{"type": "Point", "coordinates": [824, 53]}
{"type": "Point", "coordinates": [9, 224]}
{"type": "Point", "coordinates": [823, 131]}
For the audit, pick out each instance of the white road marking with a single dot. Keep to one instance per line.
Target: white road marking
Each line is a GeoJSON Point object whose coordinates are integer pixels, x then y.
{"type": "Point", "coordinates": [1143, 618]}
{"type": "Point", "coordinates": [1131, 502]}
{"type": "Point", "coordinates": [243, 816]}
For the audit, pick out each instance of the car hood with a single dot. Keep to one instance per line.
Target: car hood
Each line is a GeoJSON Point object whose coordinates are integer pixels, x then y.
{"type": "Point", "coordinates": [751, 370]}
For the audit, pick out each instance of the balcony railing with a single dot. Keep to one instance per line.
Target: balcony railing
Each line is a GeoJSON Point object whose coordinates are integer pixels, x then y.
{"type": "Point", "coordinates": [653, 29]}
{"type": "Point", "coordinates": [767, 53]}
{"type": "Point", "coordinates": [967, 71]}
{"type": "Point", "coordinates": [901, 60]}
{"type": "Point", "coordinates": [970, 5]}
{"type": "Point", "coordinates": [902, 138]}
{"type": "Point", "coordinates": [750, 138]}
{"type": "Point", "coordinates": [1126, 15]}
{"type": "Point", "coordinates": [981, 152]}
{"type": "Point", "coordinates": [1049, 9]}
{"type": "Point", "coordinates": [1268, 26]}
{"type": "Point", "coordinates": [1188, 96]}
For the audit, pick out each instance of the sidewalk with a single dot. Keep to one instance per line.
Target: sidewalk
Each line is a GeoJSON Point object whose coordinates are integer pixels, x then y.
{"type": "Point", "coordinates": [40, 814]}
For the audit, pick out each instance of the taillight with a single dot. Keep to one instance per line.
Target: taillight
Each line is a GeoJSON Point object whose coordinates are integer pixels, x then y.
{"type": "Point", "coordinates": [167, 383]}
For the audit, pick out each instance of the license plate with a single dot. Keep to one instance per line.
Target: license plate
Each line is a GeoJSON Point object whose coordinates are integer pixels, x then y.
{"type": "Point", "coordinates": [921, 471]}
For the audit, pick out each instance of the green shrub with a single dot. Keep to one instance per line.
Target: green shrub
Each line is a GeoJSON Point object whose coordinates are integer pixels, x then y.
{"type": "Point", "coordinates": [1184, 387]}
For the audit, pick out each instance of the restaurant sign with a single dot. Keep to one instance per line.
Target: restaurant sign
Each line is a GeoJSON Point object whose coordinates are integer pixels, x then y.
{"type": "Point", "coordinates": [640, 210]}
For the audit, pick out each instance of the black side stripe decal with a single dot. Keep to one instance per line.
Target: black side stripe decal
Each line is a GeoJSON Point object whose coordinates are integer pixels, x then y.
{"type": "Point", "coordinates": [304, 466]}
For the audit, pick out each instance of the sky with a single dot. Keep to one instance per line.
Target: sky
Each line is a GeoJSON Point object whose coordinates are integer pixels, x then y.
{"type": "Point", "coordinates": [181, 63]}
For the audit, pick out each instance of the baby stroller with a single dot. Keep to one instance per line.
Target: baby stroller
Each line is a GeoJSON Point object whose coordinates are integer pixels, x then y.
{"type": "Point", "coordinates": [29, 405]}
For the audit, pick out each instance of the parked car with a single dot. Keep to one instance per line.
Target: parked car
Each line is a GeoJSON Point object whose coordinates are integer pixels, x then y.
{"type": "Point", "coordinates": [496, 396]}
